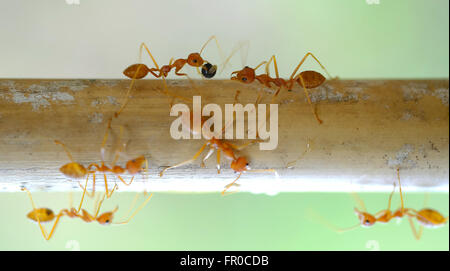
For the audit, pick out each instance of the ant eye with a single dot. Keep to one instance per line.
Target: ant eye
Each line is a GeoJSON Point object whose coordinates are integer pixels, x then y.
{"type": "Point", "coordinates": [244, 79]}
{"type": "Point", "coordinates": [195, 60]}
{"type": "Point", "coordinates": [246, 164]}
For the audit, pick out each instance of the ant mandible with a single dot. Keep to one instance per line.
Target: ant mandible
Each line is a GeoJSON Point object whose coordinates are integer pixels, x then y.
{"type": "Point", "coordinates": [306, 79]}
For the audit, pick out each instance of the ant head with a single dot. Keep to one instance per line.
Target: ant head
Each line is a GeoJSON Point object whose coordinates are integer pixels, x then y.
{"type": "Point", "coordinates": [137, 71]}
{"type": "Point", "coordinates": [135, 166]}
{"type": "Point", "coordinates": [366, 219]}
{"type": "Point", "coordinates": [106, 218]}
{"type": "Point", "coordinates": [240, 164]}
{"type": "Point", "coordinates": [44, 215]}
{"type": "Point", "coordinates": [246, 75]}
{"type": "Point", "coordinates": [195, 60]}
{"type": "Point", "coordinates": [209, 70]}
{"type": "Point", "coordinates": [73, 170]}
{"type": "Point", "coordinates": [430, 218]}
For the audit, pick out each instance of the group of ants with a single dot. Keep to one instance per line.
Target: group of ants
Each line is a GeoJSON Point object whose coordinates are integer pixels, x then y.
{"type": "Point", "coordinates": [308, 79]}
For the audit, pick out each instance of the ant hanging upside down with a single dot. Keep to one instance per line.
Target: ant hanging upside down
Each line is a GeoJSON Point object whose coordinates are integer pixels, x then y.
{"type": "Point", "coordinates": [76, 170]}
{"type": "Point", "coordinates": [426, 217]}
{"type": "Point", "coordinates": [43, 215]}
{"type": "Point", "coordinates": [238, 164]}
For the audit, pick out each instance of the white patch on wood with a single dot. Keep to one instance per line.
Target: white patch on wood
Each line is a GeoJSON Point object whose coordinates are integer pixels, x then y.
{"type": "Point", "coordinates": [95, 118]}
{"type": "Point", "coordinates": [442, 94]}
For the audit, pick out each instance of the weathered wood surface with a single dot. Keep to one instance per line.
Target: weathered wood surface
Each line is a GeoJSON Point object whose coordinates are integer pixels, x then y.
{"type": "Point", "coordinates": [370, 127]}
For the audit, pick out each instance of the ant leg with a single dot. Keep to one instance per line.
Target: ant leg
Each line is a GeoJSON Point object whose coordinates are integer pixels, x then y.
{"type": "Point", "coordinates": [217, 44]}
{"type": "Point", "coordinates": [105, 138]}
{"type": "Point", "coordinates": [426, 199]}
{"type": "Point", "coordinates": [160, 75]}
{"type": "Point", "coordinates": [259, 65]}
{"type": "Point", "coordinates": [234, 114]}
{"type": "Point", "coordinates": [258, 98]}
{"type": "Point", "coordinates": [218, 161]}
{"type": "Point", "coordinates": [308, 149]}
{"type": "Point", "coordinates": [319, 218]}
{"type": "Point", "coordinates": [276, 73]}
{"type": "Point", "coordinates": [108, 194]}
{"type": "Point", "coordinates": [274, 64]}
{"type": "Point", "coordinates": [177, 72]}
{"type": "Point", "coordinates": [65, 149]}
{"type": "Point", "coordinates": [417, 235]}
{"type": "Point", "coordinates": [309, 100]}
{"type": "Point", "coordinates": [54, 226]}
{"type": "Point", "coordinates": [240, 147]}
{"type": "Point", "coordinates": [143, 45]}
{"type": "Point", "coordinates": [231, 184]}
{"type": "Point", "coordinates": [99, 205]}
{"type": "Point", "coordinates": [127, 95]}
{"type": "Point", "coordinates": [123, 181]}
{"type": "Point", "coordinates": [133, 203]}
{"type": "Point", "coordinates": [185, 162]}
{"type": "Point", "coordinates": [169, 94]}
{"type": "Point", "coordinates": [359, 201]}
{"type": "Point", "coordinates": [400, 189]}
{"type": "Point", "coordinates": [263, 170]}
{"type": "Point", "coordinates": [211, 151]}
{"type": "Point", "coordinates": [84, 192]}
{"type": "Point", "coordinates": [137, 210]}
{"type": "Point", "coordinates": [303, 60]}
{"type": "Point", "coordinates": [390, 198]}
{"type": "Point", "coordinates": [236, 95]}
{"type": "Point", "coordinates": [275, 95]}
{"type": "Point", "coordinates": [97, 208]}
{"type": "Point", "coordinates": [150, 54]}
{"type": "Point", "coordinates": [92, 194]}
{"type": "Point", "coordinates": [237, 48]}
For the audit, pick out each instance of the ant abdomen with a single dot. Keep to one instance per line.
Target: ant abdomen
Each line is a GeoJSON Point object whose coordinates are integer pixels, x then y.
{"type": "Point", "coordinates": [134, 71]}
{"type": "Point", "coordinates": [209, 70]}
{"type": "Point", "coordinates": [311, 79]}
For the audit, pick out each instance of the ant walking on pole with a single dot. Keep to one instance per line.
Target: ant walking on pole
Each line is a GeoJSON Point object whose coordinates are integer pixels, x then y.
{"type": "Point", "coordinates": [139, 70]}
{"type": "Point", "coordinates": [306, 79]}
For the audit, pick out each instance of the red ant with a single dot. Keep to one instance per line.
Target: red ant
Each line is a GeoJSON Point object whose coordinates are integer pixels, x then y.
{"type": "Point", "coordinates": [76, 170]}
{"type": "Point", "coordinates": [139, 70]}
{"type": "Point", "coordinates": [426, 217]}
{"type": "Point", "coordinates": [238, 164]}
{"type": "Point", "coordinates": [42, 215]}
{"type": "Point", "coordinates": [306, 79]}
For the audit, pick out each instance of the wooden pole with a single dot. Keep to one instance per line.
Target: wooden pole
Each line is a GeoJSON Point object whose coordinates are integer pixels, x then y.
{"type": "Point", "coordinates": [370, 128]}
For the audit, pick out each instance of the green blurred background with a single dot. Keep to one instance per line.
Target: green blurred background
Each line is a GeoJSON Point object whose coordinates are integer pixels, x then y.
{"type": "Point", "coordinates": [97, 39]}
